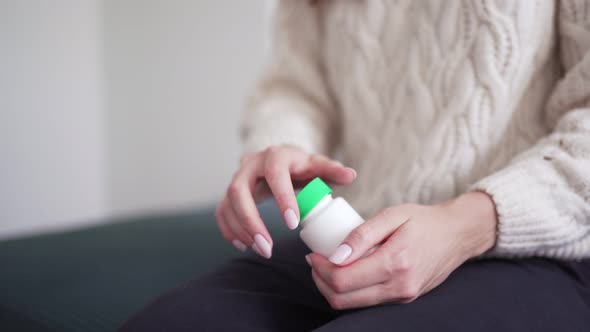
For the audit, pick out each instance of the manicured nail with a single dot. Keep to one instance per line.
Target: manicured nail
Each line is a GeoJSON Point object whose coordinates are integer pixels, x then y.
{"type": "Point", "coordinates": [308, 260]}
{"type": "Point", "coordinates": [291, 219]}
{"type": "Point", "coordinates": [341, 254]}
{"type": "Point", "coordinates": [256, 250]}
{"type": "Point", "coordinates": [263, 245]}
{"type": "Point", "coordinates": [352, 170]}
{"type": "Point", "coordinates": [239, 245]}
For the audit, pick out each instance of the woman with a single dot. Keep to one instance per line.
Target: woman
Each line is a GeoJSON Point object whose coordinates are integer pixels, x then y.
{"type": "Point", "coordinates": [467, 127]}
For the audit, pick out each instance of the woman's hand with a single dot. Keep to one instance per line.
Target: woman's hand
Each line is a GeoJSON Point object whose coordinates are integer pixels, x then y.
{"type": "Point", "coordinates": [271, 172]}
{"type": "Point", "coordinates": [419, 247]}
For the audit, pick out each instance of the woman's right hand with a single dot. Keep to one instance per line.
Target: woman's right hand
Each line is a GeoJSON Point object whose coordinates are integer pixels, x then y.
{"type": "Point", "coordinates": [273, 171]}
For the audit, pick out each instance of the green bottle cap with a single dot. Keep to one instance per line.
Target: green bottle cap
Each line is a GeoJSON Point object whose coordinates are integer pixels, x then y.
{"type": "Point", "coordinates": [311, 195]}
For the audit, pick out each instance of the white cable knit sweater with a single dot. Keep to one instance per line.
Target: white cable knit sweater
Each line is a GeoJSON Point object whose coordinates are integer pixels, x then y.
{"type": "Point", "coordinates": [428, 99]}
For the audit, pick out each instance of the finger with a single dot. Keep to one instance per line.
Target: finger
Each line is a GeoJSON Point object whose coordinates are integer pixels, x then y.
{"type": "Point", "coordinates": [221, 224]}
{"type": "Point", "coordinates": [381, 266]}
{"type": "Point", "coordinates": [258, 243]}
{"type": "Point", "coordinates": [356, 299]}
{"type": "Point", "coordinates": [320, 166]}
{"type": "Point", "coordinates": [332, 171]}
{"type": "Point", "coordinates": [367, 235]}
{"type": "Point", "coordinates": [277, 174]}
{"type": "Point", "coordinates": [242, 203]}
{"type": "Point", "coordinates": [241, 238]}
{"type": "Point", "coordinates": [226, 232]}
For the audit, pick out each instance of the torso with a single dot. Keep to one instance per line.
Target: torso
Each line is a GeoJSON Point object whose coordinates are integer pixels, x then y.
{"type": "Point", "coordinates": [435, 95]}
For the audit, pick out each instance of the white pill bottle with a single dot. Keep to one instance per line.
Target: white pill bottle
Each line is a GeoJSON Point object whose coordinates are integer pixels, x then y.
{"type": "Point", "coordinates": [325, 221]}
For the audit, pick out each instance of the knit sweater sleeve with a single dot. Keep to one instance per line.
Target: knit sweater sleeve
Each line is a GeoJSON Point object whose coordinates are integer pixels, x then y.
{"type": "Point", "coordinates": [542, 197]}
{"type": "Point", "coordinates": [291, 103]}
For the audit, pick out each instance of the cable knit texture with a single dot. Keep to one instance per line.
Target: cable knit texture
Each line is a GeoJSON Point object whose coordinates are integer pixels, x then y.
{"type": "Point", "coordinates": [429, 99]}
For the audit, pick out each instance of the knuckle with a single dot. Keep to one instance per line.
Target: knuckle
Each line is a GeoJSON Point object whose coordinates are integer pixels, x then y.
{"type": "Point", "coordinates": [271, 150]}
{"type": "Point", "coordinates": [337, 303]}
{"type": "Point", "coordinates": [404, 264]}
{"type": "Point", "coordinates": [272, 170]}
{"type": "Point", "coordinates": [409, 290]}
{"type": "Point", "coordinates": [339, 282]}
{"type": "Point", "coordinates": [397, 265]}
{"type": "Point", "coordinates": [239, 173]}
{"type": "Point", "coordinates": [233, 189]}
{"type": "Point", "coordinates": [389, 266]}
{"type": "Point", "coordinates": [316, 157]}
{"type": "Point", "coordinates": [359, 235]}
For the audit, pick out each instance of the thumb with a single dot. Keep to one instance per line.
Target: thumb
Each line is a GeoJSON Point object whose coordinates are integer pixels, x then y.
{"type": "Point", "coordinates": [368, 235]}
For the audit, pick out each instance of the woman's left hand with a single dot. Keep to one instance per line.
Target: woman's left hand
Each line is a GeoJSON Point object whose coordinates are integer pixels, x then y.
{"type": "Point", "coordinates": [419, 247]}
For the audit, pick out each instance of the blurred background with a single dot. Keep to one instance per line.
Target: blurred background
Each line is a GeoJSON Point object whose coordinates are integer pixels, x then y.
{"type": "Point", "coordinates": [116, 108]}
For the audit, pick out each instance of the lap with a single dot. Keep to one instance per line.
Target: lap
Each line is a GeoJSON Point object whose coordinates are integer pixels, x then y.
{"type": "Point", "coordinates": [253, 294]}
{"type": "Point", "coordinates": [248, 293]}
{"type": "Point", "coordinates": [489, 295]}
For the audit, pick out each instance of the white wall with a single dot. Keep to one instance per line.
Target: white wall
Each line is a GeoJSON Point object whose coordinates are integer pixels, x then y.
{"type": "Point", "coordinates": [119, 106]}
{"type": "Point", "coordinates": [52, 158]}
{"type": "Point", "coordinates": [177, 73]}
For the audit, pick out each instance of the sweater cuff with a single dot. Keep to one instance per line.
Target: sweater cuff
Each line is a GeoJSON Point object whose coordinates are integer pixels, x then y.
{"type": "Point", "coordinates": [520, 201]}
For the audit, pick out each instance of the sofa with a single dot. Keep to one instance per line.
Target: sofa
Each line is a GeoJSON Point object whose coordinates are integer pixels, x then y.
{"type": "Point", "coordinates": [93, 279]}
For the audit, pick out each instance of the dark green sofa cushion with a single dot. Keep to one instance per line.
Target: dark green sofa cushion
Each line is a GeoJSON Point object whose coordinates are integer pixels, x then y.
{"type": "Point", "coordinates": [93, 279]}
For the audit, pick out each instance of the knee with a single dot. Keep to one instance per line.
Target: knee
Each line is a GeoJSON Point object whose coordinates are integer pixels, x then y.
{"type": "Point", "coordinates": [174, 311]}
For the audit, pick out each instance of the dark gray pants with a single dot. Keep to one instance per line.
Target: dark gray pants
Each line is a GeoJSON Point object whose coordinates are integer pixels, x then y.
{"type": "Point", "coordinates": [253, 294]}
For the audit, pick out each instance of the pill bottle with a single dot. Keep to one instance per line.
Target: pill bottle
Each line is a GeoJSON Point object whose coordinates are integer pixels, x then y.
{"type": "Point", "coordinates": [325, 221]}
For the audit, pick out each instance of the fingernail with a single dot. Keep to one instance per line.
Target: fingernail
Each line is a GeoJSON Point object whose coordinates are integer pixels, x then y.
{"type": "Point", "coordinates": [308, 260]}
{"type": "Point", "coordinates": [341, 254]}
{"type": "Point", "coordinates": [263, 245]}
{"type": "Point", "coordinates": [239, 245]}
{"type": "Point", "coordinates": [352, 170]}
{"type": "Point", "coordinates": [256, 250]}
{"type": "Point", "coordinates": [291, 219]}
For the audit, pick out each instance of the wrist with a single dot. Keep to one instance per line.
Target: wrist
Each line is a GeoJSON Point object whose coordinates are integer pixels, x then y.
{"type": "Point", "coordinates": [475, 215]}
